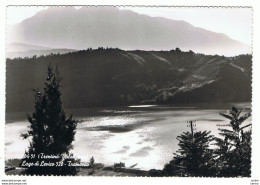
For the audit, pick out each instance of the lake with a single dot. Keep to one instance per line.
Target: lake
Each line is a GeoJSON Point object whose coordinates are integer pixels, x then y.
{"type": "Point", "coordinates": [143, 134]}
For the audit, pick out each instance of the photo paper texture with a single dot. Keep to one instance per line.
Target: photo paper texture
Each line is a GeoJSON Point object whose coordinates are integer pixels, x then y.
{"type": "Point", "coordinates": [128, 91]}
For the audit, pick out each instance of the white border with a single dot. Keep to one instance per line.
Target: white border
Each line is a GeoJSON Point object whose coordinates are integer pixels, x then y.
{"type": "Point", "coordinates": [137, 180]}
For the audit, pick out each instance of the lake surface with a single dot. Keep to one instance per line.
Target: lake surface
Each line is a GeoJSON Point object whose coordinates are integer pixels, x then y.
{"type": "Point", "coordinates": [143, 134]}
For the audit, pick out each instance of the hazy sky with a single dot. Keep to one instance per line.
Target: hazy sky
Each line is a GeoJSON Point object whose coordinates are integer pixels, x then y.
{"type": "Point", "coordinates": [234, 22]}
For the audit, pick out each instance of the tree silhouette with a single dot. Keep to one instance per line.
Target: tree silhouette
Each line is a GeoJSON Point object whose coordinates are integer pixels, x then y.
{"type": "Point", "coordinates": [194, 158]}
{"type": "Point", "coordinates": [50, 132]}
{"type": "Point", "coordinates": [234, 148]}
{"type": "Point", "coordinates": [92, 165]}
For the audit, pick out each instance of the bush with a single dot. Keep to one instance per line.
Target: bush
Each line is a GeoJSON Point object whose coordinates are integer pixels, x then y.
{"type": "Point", "coordinates": [155, 173]}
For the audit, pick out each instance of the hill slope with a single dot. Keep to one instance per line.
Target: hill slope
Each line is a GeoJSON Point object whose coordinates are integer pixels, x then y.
{"type": "Point", "coordinates": [107, 77]}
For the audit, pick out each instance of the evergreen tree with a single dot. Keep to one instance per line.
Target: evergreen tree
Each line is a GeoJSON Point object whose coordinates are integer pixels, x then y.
{"type": "Point", "coordinates": [92, 165]}
{"type": "Point", "coordinates": [50, 131]}
{"type": "Point", "coordinates": [233, 152]}
{"type": "Point", "coordinates": [194, 158]}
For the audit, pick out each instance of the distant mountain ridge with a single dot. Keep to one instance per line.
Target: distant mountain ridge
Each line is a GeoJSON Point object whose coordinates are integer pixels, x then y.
{"type": "Point", "coordinates": [67, 27]}
{"type": "Point", "coordinates": [108, 77]}
{"type": "Point", "coordinates": [22, 47]}
{"type": "Point", "coordinates": [22, 50]}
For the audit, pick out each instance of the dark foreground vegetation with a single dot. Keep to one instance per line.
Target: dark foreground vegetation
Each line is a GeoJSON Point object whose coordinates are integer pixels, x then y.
{"type": "Point", "coordinates": [231, 156]}
{"type": "Point", "coordinates": [50, 131]}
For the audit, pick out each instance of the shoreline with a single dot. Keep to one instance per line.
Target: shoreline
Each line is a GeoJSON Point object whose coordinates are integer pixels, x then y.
{"type": "Point", "coordinates": [12, 168]}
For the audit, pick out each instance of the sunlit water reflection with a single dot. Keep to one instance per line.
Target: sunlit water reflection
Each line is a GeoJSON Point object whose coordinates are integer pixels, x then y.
{"type": "Point", "coordinates": [142, 135]}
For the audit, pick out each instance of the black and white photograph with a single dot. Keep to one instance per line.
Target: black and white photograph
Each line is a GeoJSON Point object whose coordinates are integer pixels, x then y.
{"type": "Point", "coordinates": [128, 91]}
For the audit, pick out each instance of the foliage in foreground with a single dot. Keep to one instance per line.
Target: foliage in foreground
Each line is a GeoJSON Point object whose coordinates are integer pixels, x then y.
{"type": "Point", "coordinates": [233, 152]}
{"type": "Point", "coordinates": [231, 156]}
{"type": "Point", "coordinates": [194, 156]}
{"type": "Point", "coordinates": [50, 132]}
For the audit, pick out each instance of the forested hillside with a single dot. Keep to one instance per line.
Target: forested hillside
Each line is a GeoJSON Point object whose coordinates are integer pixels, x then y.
{"type": "Point", "coordinates": [108, 77]}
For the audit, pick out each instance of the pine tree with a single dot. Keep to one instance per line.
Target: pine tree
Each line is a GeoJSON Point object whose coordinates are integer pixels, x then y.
{"type": "Point", "coordinates": [194, 158]}
{"type": "Point", "coordinates": [92, 165]}
{"type": "Point", "coordinates": [233, 152]}
{"type": "Point", "coordinates": [50, 132]}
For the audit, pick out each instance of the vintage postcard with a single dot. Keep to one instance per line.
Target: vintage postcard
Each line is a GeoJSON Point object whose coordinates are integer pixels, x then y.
{"type": "Point", "coordinates": [139, 91]}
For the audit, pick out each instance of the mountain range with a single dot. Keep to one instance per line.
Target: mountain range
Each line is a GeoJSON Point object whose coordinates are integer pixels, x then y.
{"type": "Point", "coordinates": [93, 27]}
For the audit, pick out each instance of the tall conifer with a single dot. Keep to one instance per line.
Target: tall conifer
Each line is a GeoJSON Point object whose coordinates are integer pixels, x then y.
{"type": "Point", "coordinates": [51, 132]}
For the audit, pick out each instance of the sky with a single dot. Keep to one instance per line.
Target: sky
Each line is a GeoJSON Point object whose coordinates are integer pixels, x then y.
{"type": "Point", "coordinates": [234, 22]}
